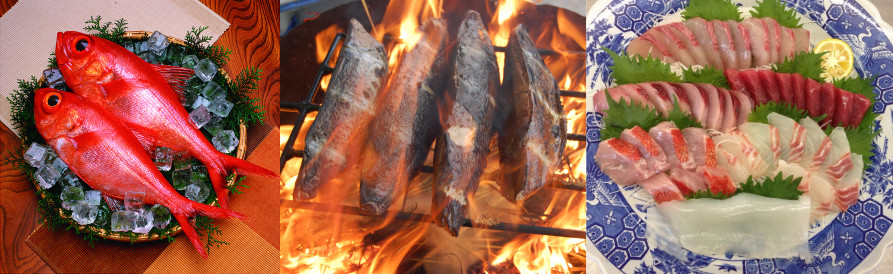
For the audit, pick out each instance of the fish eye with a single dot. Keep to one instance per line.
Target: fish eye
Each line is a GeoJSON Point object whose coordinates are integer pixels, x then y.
{"type": "Point", "coordinates": [81, 45]}
{"type": "Point", "coordinates": [53, 100]}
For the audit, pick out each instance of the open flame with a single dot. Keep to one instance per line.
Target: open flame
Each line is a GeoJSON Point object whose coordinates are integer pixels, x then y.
{"type": "Point", "coordinates": [325, 239]}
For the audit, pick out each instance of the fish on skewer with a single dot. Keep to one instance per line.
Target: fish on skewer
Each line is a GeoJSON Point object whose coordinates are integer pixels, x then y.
{"type": "Point", "coordinates": [407, 123]}
{"type": "Point", "coordinates": [342, 124]}
{"type": "Point", "coordinates": [101, 151]}
{"type": "Point", "coordinates": [146, 97]}
{"type": "Point", "coordinates": [460, 155]}
{"type": "Point", "coordinates": [532, 135]}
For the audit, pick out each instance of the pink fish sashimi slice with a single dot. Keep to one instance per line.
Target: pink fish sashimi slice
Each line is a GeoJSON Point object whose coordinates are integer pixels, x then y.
{"type": "Point", "coordinates": [801, 39]}
{"type": "Point", "coordinates": [706, 36]}
{"type": "Point", "coordinates": [774, 38]}
{"type": "Point", "coordinates": [787, 44]}
{"type": "Point", "coordinates": [714, 109]}
{"type": "Point", "coordinates": [621, 161]}
{"type": "Point", "coordinates": [727, 48]}
{"type": "Point", "coordinates": [648, 149]}
{"type": "Point", "coordinates": [700, 146]}
{"type": "Point", "coordinates": [648, 47]}
{"type": "Point", "coordinates": [690, 42]}
{"type": "Point", "coordinates": [745, 105]}
{"type": "Point", "coordinates": [675, 46]}
{"type": "Point", "coordinates": [670, 138]}
{"type": "Point", "coordinates": [697, 101]}
{"type": "Point", "coordinates": [600, 102]}
{"type": "Point", "coordinates": [718, 180]}
{"type": "Point", "coordinates": [662, 188]}
{"type": "Point", "coordinates": [759, 34]}
{"type": "Point", "coordinates": [687, 181]}
{"type": "Point", "coordinates": [676, 93]}
{"type": "Point", "coordinates": [743, 44]}
{"type": "Point", "coordinates": [729, 113]}
{"type": "Point", "coordinates": [658, 98]}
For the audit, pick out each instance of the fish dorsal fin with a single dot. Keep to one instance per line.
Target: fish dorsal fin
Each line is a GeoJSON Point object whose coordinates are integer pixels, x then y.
{"type": "Point", "coordinates": [176, 77]}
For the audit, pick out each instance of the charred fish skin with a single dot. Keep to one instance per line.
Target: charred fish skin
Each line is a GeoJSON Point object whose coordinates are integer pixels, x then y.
{"type": "Point", "coordinates": [533, 134]}
{"type": "Point", "coordinates": [404, 129]}
{"type": "Point", "coordinates": [461, 151]}
{"type": "Point", "coordinates": [348, 109]}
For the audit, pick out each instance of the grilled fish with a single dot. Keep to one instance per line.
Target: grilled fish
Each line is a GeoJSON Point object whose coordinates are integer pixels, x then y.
{"type": "Point", "coordinates": [460, 154]}
{"type": "Point", "coordinates": [343, 120]}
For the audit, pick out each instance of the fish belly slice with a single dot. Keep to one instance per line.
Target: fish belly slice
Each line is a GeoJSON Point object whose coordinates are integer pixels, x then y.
{"type": "Point", "coordinates": [532, 139]}
{"type": "Point", "coordinates": [690, 42]}
{"type": "Point", "coordinates": [745, 105]}
{"type": "Point", "coordinates": [621, 93]}
{"type": "Point", "coordinates": [792, 137]}
{"type": "Point", "coordinates": [648, 47]}
{"type": "Point", "coordinates": [818, 145]}
{"type": "Point", "coordinates": [714, 106]}
{"type": "Point", "coordinates": [729, 113]}
{"type": "Point", "coordinates": [774, 38]}
{"type": "Point", "coordinates": [738, 225]}
{"type": "Point", "coordinates": [765, 138]}
{"type": "Point", "coordinates": [407, 124]}
{"type": "Point", "coordinates": [659, 98]}
{"type": "Point", "coordinates": [622, 162]}
{"type": "Point", "coordinates": [675, 93]}
{"type": "Point", "coordinates": [670, 139]}
{"type": "Point", "coordinates": [460, 154]}
{"type": "Point", "coordinates": [343, 119]}
{"type": "Point", "coordinates": [676, 47]}
{"type": "Point", "coordinates": [697, 101]}
{"type": "Point", "coordinates": [648, 148]}
{"type": "Point", "coordinates": [661, 187]}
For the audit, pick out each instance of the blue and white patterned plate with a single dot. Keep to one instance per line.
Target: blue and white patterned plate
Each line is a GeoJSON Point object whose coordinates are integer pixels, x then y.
{"type": "Point", "coordinates": [851, 241]}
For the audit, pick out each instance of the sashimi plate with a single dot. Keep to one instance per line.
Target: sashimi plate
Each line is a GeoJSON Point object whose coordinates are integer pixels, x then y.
{"type": "Point", "coordinates": [851, 241]}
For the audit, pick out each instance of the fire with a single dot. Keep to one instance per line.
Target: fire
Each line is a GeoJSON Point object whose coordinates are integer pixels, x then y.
{"type": "Point", "coordinates": [321, 236]}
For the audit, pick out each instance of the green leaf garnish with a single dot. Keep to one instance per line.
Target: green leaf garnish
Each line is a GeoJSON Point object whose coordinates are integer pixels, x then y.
{"type": "Point", "coordinates": [712, 10]}
{"type": "Point", "coordinates": [707, 75]}
{"type": "Point", "coordinates": [681, 118]}
{"type": "Point", "coordinates": [760, 114]}
{"type": "Point", "coordinates": [707, 194]}
{"type": "Point", "coordinates": [635, 69]}
{"type": "Point", "coordinates": [623, 115]}
{"type": "Point", "coordinates": [861, 137]}
{"type": "Point", "coordinates": [807, 63]}
{"type": "Point", "coordinates": [777, 187]}
{"type": "Point", "coordinates": [777, 10]}
{"type": "Point", "coordinates": [858, 86]}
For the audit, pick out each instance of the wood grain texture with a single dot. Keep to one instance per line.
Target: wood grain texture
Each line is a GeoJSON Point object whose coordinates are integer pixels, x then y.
{"type": "Point", "coordinates": [253, 38]}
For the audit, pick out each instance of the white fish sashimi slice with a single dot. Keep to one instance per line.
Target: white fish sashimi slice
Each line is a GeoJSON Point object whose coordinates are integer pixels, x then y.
{"type": "Point", "coordinates": [759, 40]}
{"type": "Point", "coordinates": [765, 138]}
{"type": "Point", "coordinates": [792, 137]}
{"type": "Point", "coordinates": [818, 145]}
{"type": "Point", "coordinates": [743, 43]}
{"type": "Point", "coordinates": [737, 168]}
{"type": "Point", "coordinates": [838, 162]}
{"type": "Point", "coordinates": [737, 148]}
{"type": "Point", "coordinates": [700, 146]}
{"type": "Point", "coordinates": [704, 32]}
{"type": "Point", "coordinates": [822, 196]}
{"type": "Point", "coordinates": [726, 43]}
{"type": "Point", "coordinates": [691, 43]}
{"type": "Point", "coordinates": [788, 170]}
{"type": "Point", "coordinates": [745, 225]}
{"type": "Point", "coordinates": [853, 177]}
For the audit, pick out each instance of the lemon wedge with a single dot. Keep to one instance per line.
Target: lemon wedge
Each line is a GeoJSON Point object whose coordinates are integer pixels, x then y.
{"type": "Point", "coordinates": [838, 62]}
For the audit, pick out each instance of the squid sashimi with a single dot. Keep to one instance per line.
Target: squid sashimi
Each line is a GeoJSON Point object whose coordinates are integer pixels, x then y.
{"type": "Point", "coordinates": [765, 138]}
{"type": "Point", "coordinates": [622, 162]}
{"type": "Point", "coordinates": [818, 145]}
{"type": "Point", "coordinates": [792, 137]}
{"type": "Point", "coordinates": [670, 138]}
{"type": "Point", "coordinates": [745, 225]}
{"type": "Point", "coordinates": [647, 147]}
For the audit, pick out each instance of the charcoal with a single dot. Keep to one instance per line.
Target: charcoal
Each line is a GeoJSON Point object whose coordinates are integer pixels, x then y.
{"type": "Point", "coordinates": [343, 119]}
{"type": "Point", "coordinates": [460, 154]}
{"type": "Point", "coordinates": [403, 131]}
{"type": "Point", "coordinates": [532, 126]}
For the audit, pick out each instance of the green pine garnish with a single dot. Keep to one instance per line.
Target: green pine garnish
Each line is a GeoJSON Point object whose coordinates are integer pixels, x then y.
{"type": "Point", "coordinates": [707, 194]}
{"type": "Point", "coordinates": [635, 69]}
{"type": "Point", "coordinates": [808, 64]}
{"type": "Point", "coordinates": [777, 10]}
{"type": "Point", "coordinates": [760, 114]}
{"type": "Point", "coordinates": [777, 187]}
{"type": "Point", "coordinates": [712, 10]}
{"type": "Point", "coordinates": [707, 75]}
{"type": "Point", "coordinates": [623, 115]}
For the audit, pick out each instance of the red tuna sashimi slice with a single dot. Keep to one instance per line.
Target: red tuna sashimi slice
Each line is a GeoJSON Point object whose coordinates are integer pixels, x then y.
{"type": "Point", "coordinates": [676, 92]}
{"type": "Point", "coordinates": [646, 46]}
{"type": "Point", "coordinates": [861, 105]}
{"type": "Point", "coordinates": [774, 38]}
{"type": "Point", "coordinates": [770, 84]}
{"type": "Point", "coordinates": [672, 142]}
{"type": "Point", "coordinates": [801, 39]}
{"type": "Point", "coordinates": [691, 43]}
{"type": "Point", "coordinates": [660, 99]}
{"type": "Point", "coordinates": [812, 98]}
{"type": "Point", "coordinates": [828, 94]}
{"type": "Point", "coordinates": [648, 149]}
{"type": "Point", "coordinates": [687, 181]}
{"type": "Point", "coordinates": [727, 49]}
{"type": "Point", "coordinates": [743, 46]}
{"type": "Point", "coordinates": [662, 188]}
{"type": "Point", "coordinates": [759, 35]}
{"type": "Point", "coordinates": [703, 31]}
{"type": "Point", "coordinates": [622, 162]}
{"type": "Point", "coordinates": [700, 146]}
{"type": "Point", "coordinates": [697, 101]}
{"type": "Point", "coordinates": [745, 105]}
{"type": "Point", "coordinates": [733, 76]}
{"type": "Point", "coordinates": [785, 87]}
{"type": "Point", "coordinates": [798, 91]}
{"type": "Point", "coordinates": [754, 86]}
{"type": "Point", "coordinates": [717, 180]}
{"type": "Point", "coordinates": [844, 108]}
{"type": "Point", "coordinates": [714, 107]}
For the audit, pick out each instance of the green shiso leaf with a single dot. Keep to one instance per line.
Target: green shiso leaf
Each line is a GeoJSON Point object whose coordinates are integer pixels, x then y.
{"type": "Point", "coordinates": [760, 114]}
{"type": "Point", "coordinates": [712, 10]}
{"type": "Point", "coordinates": [773, 187]}
{"type": "Point", "coordinates": [707, 194]}
{"type": "Point", "coordinates": [623, 115]}
{"type": "Point", "coordinates": [808, 64]}
{"type": "Point", "coordinates": [777, 10]}
{"type": "Point", "coordinates": [707, 75]}
{"type": "Point", "coordinates": [635, 69]}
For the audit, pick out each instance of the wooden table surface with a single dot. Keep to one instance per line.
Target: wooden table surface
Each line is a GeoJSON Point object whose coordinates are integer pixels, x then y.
{"type": "Point", "coordinates": [254, 39]}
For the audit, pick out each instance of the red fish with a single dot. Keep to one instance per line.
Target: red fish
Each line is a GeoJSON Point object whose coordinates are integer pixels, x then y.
{"type": "Point", "coordinates": [107, 156]}
{"type": "Point", "coordinates": [143, 96]}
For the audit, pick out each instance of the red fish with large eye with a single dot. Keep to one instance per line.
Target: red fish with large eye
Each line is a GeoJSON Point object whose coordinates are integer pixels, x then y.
{"type": "Point", "coordinates": [146, 98]}
{"type": "Point", "coordinates": [98, 148]}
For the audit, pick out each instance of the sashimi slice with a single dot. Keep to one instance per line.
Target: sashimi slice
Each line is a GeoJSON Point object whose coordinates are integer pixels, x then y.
{"type": "Point", "coordinates": [844, 108]}
{"type": "Point", "coordinates": [754, 86]}
{"type": "Point", "coordinates": [729, 115]}
{"type": "Point", "coordinates": [844, 198]}
{"type": "Point", "coordinates": [738, 151]}
{"type": "Point", "coordinates": [812, 98]}
{"type": "Point", "coordinates": [622, 162]}
{"type": "Point", "coordinates": [676, 94]}
{"type": "Point", "coordinates": [838, 162]}
{"type": "Point", "coordinates": [675, 46]}
{"type": "Point", "coordinates": [829, 98]}
{"type": "Point", "coordinates": [787, 44]}
{"type": "Point", "coordinates": [706, 37]}
{"type": "Point", "coordinates": [660, 99]}
{"type": "Point", "coordinates": [769, 84]}
{"type": "Point", "coordinates": [801, 39]}
{"type": "Point", "coordinates": [745, 106]}
{"type": "Point", "coordinates": [765, 138]}
{"type": "Point", "coordinates": [821, 194]}
{"type": "Point", "coordinates": [687, 181]}
{"type": "Point", "coordinates": [718, 180]}
{"type": "Point", "coordinates": [798, 92]}
{"type": "Point", "coordinates": [727, 48]}
{"type": "Point", "coordinates": [697, 101]}
{"type": "Point", "coordinates": [791, 170]}
{"type": "Point", "coordinates": [854, 176]}
{"type": "Point", "coordinates": [737, 168]}
{"type": "Point", "coordinates": [700, 146]}
{"type": "Point", "coordinates": [759, 35]}
{"type": "Point", "coordinates": [600, 101]}
{"type": "Point", "coordinates": [861, 104]}
{"type": "Point", "coordinates": [743, 46]}
{"type": "Point", "coordinates": [662, 188]}
{"type": "Point", "coordinates": [785, 87]}
{"type": "Point", "coordinates": [648, 149]}
{"type": "Point", "coordinates": [774, 37]}
{"type": "Point", "coordinates": [645, 46]}
{"type": "Point", "coordinates": [690, 42]}
{"type": "Point", "coordinates": [733, 76]}
{"type": "Point", "coordinates": [714, 106]}
{"type": "Point", "coordinates": [792, 137]}
{"type": "Point", "coordinates": [670, 138]}
{"type": "Point", "coordinates": [818, 145]}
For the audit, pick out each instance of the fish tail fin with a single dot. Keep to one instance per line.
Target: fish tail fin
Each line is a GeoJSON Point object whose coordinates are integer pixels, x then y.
{"type": "Point", "coordinates": [219, 182]}
{"type": "Point", "coordinates": [245, 167]}
{"type": "Point", "coordinates": [191, 234]}
{"type": "Point", "coordinates": [192, 208]}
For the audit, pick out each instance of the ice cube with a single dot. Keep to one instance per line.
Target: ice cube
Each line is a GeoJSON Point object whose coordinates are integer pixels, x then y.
{"type": "Point", "coordinates": [148, 56]}
{"type": "Point", "coordinates": [158, 42]}
{"type": "Point", "coordinates": [200, 102]}
{"type": "Point", "coordinates": [161, 216]}
{"type": "Point", "coordinates": [164, 157]}
{"type": "Point", "coordinates": [215, 125]}
{"type": "Point", "coordinates": [197, 192]}
{"type": "Point", "coordinates": [84, 213]}
{"type": "Point", "coordinates": [71, 179]}
{"type": "Point", "coordinates": [133, 201]}
{"type": "Point", "coordinates": [60, 166]}
{"type": "Point", "coordinates": [54, 78]}
{"type": "Point", "coordinates": [174, 55]}
{"type": "Point", "coordinates": [92, 197]}
{"type": "Point", "coordinates": [225, 141]}
{"type": "Point", "coordinates": [190, 61]}
{"type": "Point", "coordinates": [143, 223]}
{"type": "Point", "coordinates": [141, 47]}
{"type": "Point", "coordinates": [124, 220]}
{"type": "Point", "coordinates": [200, 116]}
{"type": "Point", "coordinates": [181, 178]}
{"type": "Point", "coordinates": [182, 162]}
{"type": "Point", "coordinates": [205, 69]}
{"type": "Point", "coordinates": [36, 154]}
{"type": "Point", "coordinates": [71, 195]}
{"type": "Point", "coordinates": [114, 204]}
{"type": "Point", "coordinates": [212, 91]}
{"type": "Point", "coordinates": [130, 47]}
{"type": "Point", "coordinates": [199, 174]}
{"type": "Point", "coordinates": [221, 107]}
{"type": "Point", "coordinates": [47, 176]}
